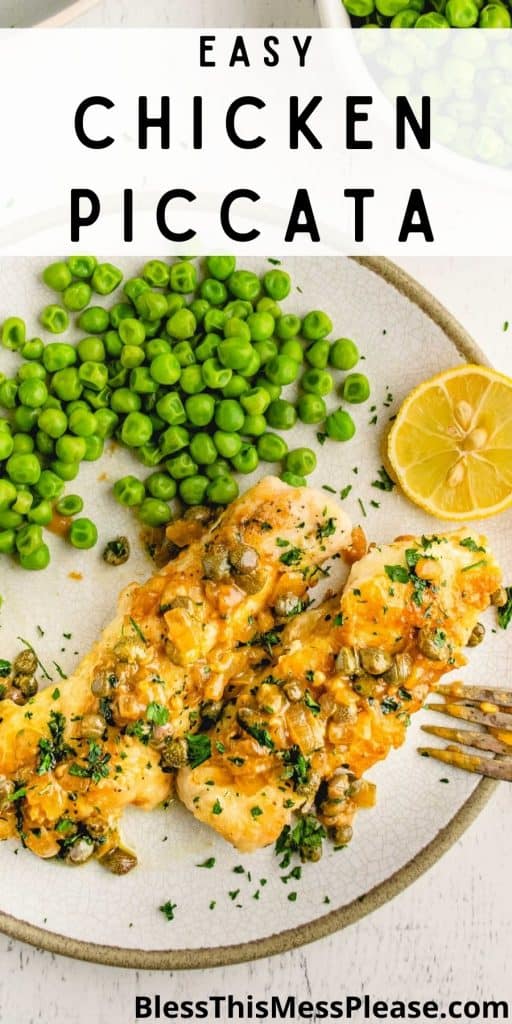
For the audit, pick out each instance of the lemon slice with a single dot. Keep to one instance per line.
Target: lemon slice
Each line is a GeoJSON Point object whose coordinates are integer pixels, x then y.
{"type": "Point", "coordinates": [450, 446]}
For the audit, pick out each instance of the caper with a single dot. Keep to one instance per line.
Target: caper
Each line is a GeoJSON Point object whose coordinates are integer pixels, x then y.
{"type": "Point", "coordinates": [251, 582]}
{"type": "Point", "coordinates": [344, 713]}
{"type": "Point", "coordinates": [16, 696]}
{"type": "Point", "coordinates": [243, 558]}
{"type": "Point", "coordinates": [347, 661]}
{"type": "Point", "coordinates": [432, 644]}
{"type": "Point", "coordinates": [180, 601]}
{"type": "Point", "coordinates": [365, 685]}
{"type": "Point", "coordinates": [92, 726]}
{"type": "Point", "coordinates": [477, 635]}
{"type": "Point", "coordinates": [338, 785]}
{"type": "Point", "coordinates": [375, 660]}
{"type": "Point", "coordinates": [7, 788]}
{"type": "Point", "coordinates": [199, 514]}
{"type": "Point", "coordinates": [26, 684]}
{"type": "Point", "coordinates": [117, 551]}
{"type": "Point", "coordinates": [294, 690]}
{"type": "Point", "coordinates": [286, 605]}
{"type": "Point", "coordinates": [81, 850]}
{"type": "Point", "coordinates": [216, 564]}
{"type": "Point", "coordinates": [342, 834]}
{"type": "Point", "coordinates": [25, 664]}
{"type": "Point", "coordinates": [211, 711]}
{"type": "Point", "coordinates": [159, 735]}
{"type": "Point", "coordinates": [175, 753]}
{"type": "Point", "coordinates": [101, 684]}
{"type": "Point", "coordinates": [500, 598]}
{"type": "Point", "coordinates": [400, 669]}
{"type": "Point", "coordinates": [119, 861]}
{"type": "Point", "coordinates": [310, 787]}
{"type": "Point", "coordinates": [311, 853]}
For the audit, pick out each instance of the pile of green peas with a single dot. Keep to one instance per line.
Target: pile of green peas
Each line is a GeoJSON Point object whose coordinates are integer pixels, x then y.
{"type": "Point", "coordinates": [429, 13]}
{"type": "Point", "coordinates": [188, 373]}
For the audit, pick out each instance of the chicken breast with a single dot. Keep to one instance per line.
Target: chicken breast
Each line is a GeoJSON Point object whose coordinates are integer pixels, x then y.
{"type": "Point", "coordinates": [70, 762]}
{"type": "Point", "coordinates": [338, 693]}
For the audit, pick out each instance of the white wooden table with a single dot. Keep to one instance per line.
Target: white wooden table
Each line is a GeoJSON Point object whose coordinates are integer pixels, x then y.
{"type": "Point", "coordinates": [446, 937]}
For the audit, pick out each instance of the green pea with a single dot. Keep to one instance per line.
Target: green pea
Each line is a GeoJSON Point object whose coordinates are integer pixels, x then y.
{"type": "Point", "coordinates": [69, 448]}
{"type": "Point", "coordinates": [154, 512]}
{"type": "Point", "coordinates": [92, 375]}
{"type": "Point", "coordinates": [311, 408]}
{"type": "Point", "coordinates": [36, 560]}
{"type": "Point", "coordinates": [77, 296]}
{"type": "Point", "coordinates": [356, 388]}
{"type": "Point", "coordinates": [49, 485]}
{"type": "Point", "coordinates": [69, 505]}
{"type": "Point", "coordinates": [181, 466]}
{"type": "Point", "coordinates": [106, 278]}
{"type": "Point", "coordinates": [494, 16]}
{"type": "Point", "coordinates": [199, 307]}
{"type": "Point", "coordinates": [174, 303]}
{"type": "Point", "coordinates": [173, 439]}
{"type": "Point", "coordinates": [236, 386]}
{"type": "Point", "coordinates": [316, 325]}
{"type": "Point", "coordinates": [221, 267]}
{"type": "Point", "coordinates": [261, 326]}
{"type": "Point", "coordinates": [405, 19]}
{"type": "Point", "coordinates": [181, 325]}
{"type": "Point", "coordinates": [6, 445]}
{"type": "Point", "coordinates": [202, 449]}
{"type": "Point", "coordinates": [317, 354]}
{"type": "Point", "coordinates": [54, 318]}
{"type": "Point", "coordinates": [131, 356]}
{"type": "Point", "coordinates": [171, 409]}
{"type": "Point", "coordinates": [82, 266]}
{"type": "Point", "coordinates": [183, 277]}
{"type": "Point", "coordinates": [67, 384]}
{"type": "Point", "coordinates": [254, 425]}
{"type": "Point", "coordinates": [255, 401]}
{"type": "Point", "coordinates": [220, 467]}
{"type": "Point", "coordinates": [184, 353]}
{"type": "Point", "coordinates": [234, 352]}
{"type": "Point", "coordinates": [22, 444]}
{"type": "Point", "coordinates": [359, 8]}
{"type": "Point", "coordinates": [129, 491]}
{"type": "Point", "coordinates": [33, 393]}
{"type": "Point", "coordinates": [25, 418]}
{"type": "Point", "coordinates": [215, 292]}
{"type": "Point", "coordinates": [229, 415]}
{"type": "Point", "coordinates": [235, 327]}
{"type": "Point", "coordinates": [301, 461]}
{"type": "Point", "coordinates": [124, 401]}
{"type": "Point", "coordinates": [23, 503]}
{"type": "Point", "coordinates": [132, 332]}
{"type": "Point", "coordinates": [65, 470]}
{"type": "Point", "coordinates": [82, 423]}
{"type": "Point", "coordinates": [24, 469]}
{"type": "Point", "coordinates": [390, 7]}
{"type": "Point", "coordinates": [214, 321]}
{"type": "Point", "coordinates": [44, 443]}
{"type": "Point", "coordinates": [94, 320]}
{"type": "Point", "coordinates": [253, 366]}
{"type": "Point", "coordinates": [33, 349]}
{"type": "Point", "coordinates": [293, 349]}
{"type": "Point", "coordinates": [271, 447]}
{"type": "Point", "coordinates": [13, 333]}
{"type": "Point", "coordinates": [277, 284]}
{"type": "Point", "coordinates": [281, 414]}
{"type": "Point", "coordinates": [136, 429]}
{"type": "Point", "coordinates": [31, 371]}
{"type": "Point", "coordinates": [42, 513]}
{"type": "Point", "coordinates": [193, 489]}
{"type": "Point", "coordinates": [83, 534]}
{"type": "Point", "coordinates": [282, 370]}
{"type": "Point", "coordinates": [215, 375]}
{"type": "Point", "coordinates": [142, 382]}
{"type": "Point", "coordinates": [340, 425]}
{"type": "Point", "coordinates": [227, 444]}
{"type": "Point", "coordinates": [317, 382]}
{"type": "Point", "coordinates": [207, 349]}
{"type": "Point", "coordinates": [343, 354]}
{"type": "Point", "coordinates": [10, 520]}
{"type": "Point", "coordinates": [157, 347]}
{"type": "Point", "coordinates": [239, 308]}
{"type": "Point", "coordinates": [151, 305]}
{"type": "Point", "coordinates": [58, 356]}
{"type": "Point", "coordinates": [57, 276]}
{"type": "Point", "coordinates": [91, 350]}
{"type": "Point", "coordinates": [121, 311]}
{"type": "Point", "coordinates": [246, 461]}
{"type": "Point", "coordinates": [7, 539]}
{"type": "Point", "coordinates": [8, 394]}
{"type": "Point", "coordinates": [161, 485]}
{"type": "Point", "coordinates": [165, 368]}
{"type": "Point", "coordinates": [8, 494]}
{"type": "Point", "coordinates": [222, 490]}
{"type": "Point", "coordinates": [200, 409]}
{"type": "Point", "coordinates": [244, 285]}
{"type": "Point", "coordinates": [156, 273]}
{"type": "Point", "coordinates": [293, 479]}
{"type": "Point", "coordinates": [268, 305]}
{"type": "Point", "coordinates": [431, 20]}
{"type": "Point", "coordinates": [191, 380]}
{"type": "Point", "coordinates": [106, 422]}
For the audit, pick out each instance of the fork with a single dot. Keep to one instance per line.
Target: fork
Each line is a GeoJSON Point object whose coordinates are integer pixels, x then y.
{"type": "Point", "coordinates": [482, 706]}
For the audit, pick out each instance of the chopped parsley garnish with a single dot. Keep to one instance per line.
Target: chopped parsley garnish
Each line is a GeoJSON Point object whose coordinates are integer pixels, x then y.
{"type": "Point", "coordinates": [326, 529]}
{"type": "Point", "coordinates": [388, 705]}
{"type": "Point", "coordinates": [199, 748]}
{"type": "Point", "coordinates": [321, 437]}
{"type": "Point", "coordinates": [259, 733]}
{"type": "Point", "coordinates": [305, 838]}
{"type": "Point", "coordinates": [256, 812]}
{"type": "Point", "coordinates": [141, 730]}
{"type": "Point", "coordinates": [474, 565]}
{"type": "Point", "coordinates": [105, 710]}
{"type": "Point", "coordinates": [217, 808]}
{"type": "Point", "coordinates": [384, 483]}
{"type": "Point", "coordinates": [297, 767]}
{"type": "Point", "coordinates": [5, 668]}
{"type": "Point", "coordinates": [157, 713]}
{"type": "Point", "coordinates": [471, 544]}
{"type": "Point", "coordinates": [327, 487]}
{"type": "Point", "coordinates": [56, 693]}
{"type": "Point", "coordinates": [404, 694]}
{"type": "Point", "coordinates": [397, 573]}
{"type": "Point", "coordinates": [136, 628]}
{"type": "Point", "coordinates": [268, 639]}
{"type": "Point", "coordinates": [361, 506]}
{"type": "Point", "coordinates": [292, 896]}
{"type": "Point", "coordinates": [60, 671]}
{"type": "Point", "coordinates": [167, 909]}
{"type": "Point", "coordinates": [219, 747]}
{"type": "Point", "coordinates": [311, 703]}
{"type": "Point", "coordinates": [96, 764]}
{"type": "Point", "coordinates": [17, 795]}
{"type": "Point", "coordinates": [53, 750]}
{"type": "Point", "coordinates": [338, 619]}
{"type": "Point", "coordinates": [291, 557]}
{"type": "Point", "coordinates": [209, 863]}
{"type": "Point", "coordinates": [505, 612]}
{"type": "Point", "coordinates": [345, 491]}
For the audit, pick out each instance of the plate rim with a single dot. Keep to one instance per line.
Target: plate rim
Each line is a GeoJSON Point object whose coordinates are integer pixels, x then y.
{"type": "Point", "coordinates": [335, 920]}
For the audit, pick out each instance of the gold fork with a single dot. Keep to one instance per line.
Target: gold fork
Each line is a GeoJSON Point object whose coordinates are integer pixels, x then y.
{"type": "Point", "coordinates": [482, 706]}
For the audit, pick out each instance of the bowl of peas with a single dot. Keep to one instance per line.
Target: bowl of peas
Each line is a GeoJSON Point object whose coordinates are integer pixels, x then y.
{"type": "Point", "coordinates": [51, 13]}
{"type": "Point", "coordinates": [415, 13]}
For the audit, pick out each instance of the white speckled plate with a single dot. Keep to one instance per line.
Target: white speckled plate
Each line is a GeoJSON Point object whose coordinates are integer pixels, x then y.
{"type": "Point", "coordinates": [405, 336]}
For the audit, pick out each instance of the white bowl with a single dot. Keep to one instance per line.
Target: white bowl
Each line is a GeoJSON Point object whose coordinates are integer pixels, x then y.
{"type": "Point", "coordinates": [333, 14]}
{"type": "Point", "coordinates": [50, 13]}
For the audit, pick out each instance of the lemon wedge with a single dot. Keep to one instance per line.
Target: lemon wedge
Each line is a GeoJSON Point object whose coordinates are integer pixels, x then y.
{"type": "Point", "coordinates": [450, 446]}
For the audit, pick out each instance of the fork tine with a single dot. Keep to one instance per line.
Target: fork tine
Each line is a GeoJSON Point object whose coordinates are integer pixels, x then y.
{"type": "Point", "coordinates": [489, 766]}
{"type": "Point", "coordinates": [480, 740]}
{"type": "Point", "coordinates": [494, 719]}
{"type": "Point", "coordinates": [479, 693]}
